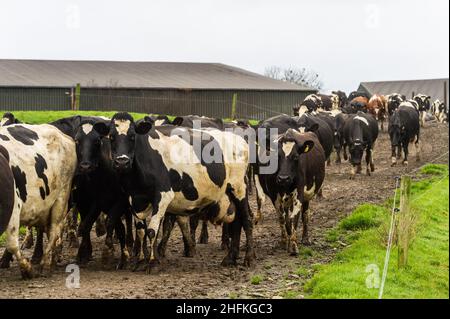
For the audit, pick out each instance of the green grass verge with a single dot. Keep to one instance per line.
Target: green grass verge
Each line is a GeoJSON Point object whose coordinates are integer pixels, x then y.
{"type": "Point", "coordinates": [40, 117]}
{"type": "Point", "coordinates": [427, 273]}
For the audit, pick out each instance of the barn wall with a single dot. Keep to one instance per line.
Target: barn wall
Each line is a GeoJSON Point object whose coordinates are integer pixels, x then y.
{"type": "Point", "coordinates": [213, 103]}
{"type": "Point", "coordinates": [34, 99]}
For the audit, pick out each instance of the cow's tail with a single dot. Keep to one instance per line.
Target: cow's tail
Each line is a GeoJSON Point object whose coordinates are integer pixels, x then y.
{"type": "Point", "coordinates": [7, 193]}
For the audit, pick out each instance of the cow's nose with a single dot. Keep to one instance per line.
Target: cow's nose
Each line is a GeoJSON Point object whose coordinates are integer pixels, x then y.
{"type": "Point", "coordinates": [85, 166]}
{"type": "Point", "coordinates": [283, 179]}
{"type": "Point", "coordinates": [122, 161]}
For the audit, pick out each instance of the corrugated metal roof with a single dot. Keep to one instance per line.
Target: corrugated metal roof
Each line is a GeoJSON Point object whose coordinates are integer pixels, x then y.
{"type": "Point", "coordinates": [174, 75]}
{"type": "Point", "coordinates": [432, 87]}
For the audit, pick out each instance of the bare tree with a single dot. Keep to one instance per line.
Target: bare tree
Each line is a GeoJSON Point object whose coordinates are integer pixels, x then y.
{"type": "Point", "coordinates": [300, 76]}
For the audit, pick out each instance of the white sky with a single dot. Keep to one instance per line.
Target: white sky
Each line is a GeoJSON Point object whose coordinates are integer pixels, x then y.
{"type": "Point", "coordinates": [346, 42]}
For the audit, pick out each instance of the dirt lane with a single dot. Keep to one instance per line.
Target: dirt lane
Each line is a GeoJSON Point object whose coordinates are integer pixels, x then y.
{"type": "Point", "coordinates": [202, 276]}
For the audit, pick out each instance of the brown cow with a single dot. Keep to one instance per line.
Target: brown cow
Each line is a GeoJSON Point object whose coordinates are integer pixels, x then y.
{"type": "Point", "coordinates": [359, 103]}
{"type": "Point", "coordinates": [378, 106]}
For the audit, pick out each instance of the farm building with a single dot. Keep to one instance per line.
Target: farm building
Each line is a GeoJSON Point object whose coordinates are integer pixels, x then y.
{"type": "Point", "coordinates": [150, 87]}
{"type": "Point", "coordinates": [436, 88]}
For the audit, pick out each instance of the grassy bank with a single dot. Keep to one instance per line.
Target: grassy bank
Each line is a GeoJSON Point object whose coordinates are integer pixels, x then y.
{"type": "Point", "coordinates": [39, 117]}
{"type": "Point", "coordinates": [365, 232]}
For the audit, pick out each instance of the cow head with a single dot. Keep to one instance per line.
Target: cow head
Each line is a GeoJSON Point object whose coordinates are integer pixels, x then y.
{"type": "Point", "coordinates": [289, 151]}
{"type": "Point", "coordinates": [307, 124]}
{"type": "Point", "coordinates": [342, 98]}
{"type": "Point", "coordinates": [8, 119]}
{"type": "Point", "coordinates": [423, 101]}
{"type": "Point", "coordinates": [394, 101]}
{"type": "Point", "coordinates": [356, 149]}
{"type": "Point", "coordinates": [88, 146]}
{"type": "Point", "coordinates": [122, 132]}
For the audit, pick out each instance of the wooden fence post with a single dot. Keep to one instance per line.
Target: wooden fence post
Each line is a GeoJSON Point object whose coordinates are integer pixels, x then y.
{"type": "Point", "coordinates": [233, 106]}
{"type": "Point", "coordinates": [405, 222]}
{"type": "Point", "coordinates": [77, 97]}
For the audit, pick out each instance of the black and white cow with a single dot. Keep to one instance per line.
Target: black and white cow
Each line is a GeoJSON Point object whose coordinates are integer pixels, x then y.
{"type": "Point", "coordinates": [393, 101]}
{"type": "Point", "coordinates": [438, 110]}
{"type": "Point", "coordinates": [360, 133]}
{"type": "Point", "coordinates": [188, 121]}
{"type": "Point", "coordinates": [298, 178]}
{"type": "Point", "coordinates": [423, 101]}
{"type": "Point", "coordinates": [182, 171]}
{"type": "Point", "coordinates": [97, 188]}
{"type": "Point", "coordinates": [404, 128]}
{"type": "Point", "coordinates": [339, 99]}
{"type": "Point", "coordinates": [313, 103]}
{"type": "Point", "coordinates": [38, 165]}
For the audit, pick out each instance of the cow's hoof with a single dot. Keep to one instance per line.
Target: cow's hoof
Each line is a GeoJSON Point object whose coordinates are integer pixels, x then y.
{"type": "Point", "coordinates": [351, 177]}
{"type": "Point", "coordinates": [372, 167]}
{"type": "Point", "coordinates": [36, 259]}
{"type": "Point", "coordinates": [368, 172]}
{"type": "Point", "coordinates": [225, 246]}
{"type": "Point", "coordinates": [189, 253]}
{"type": "Point", "coordinates": [5, 263]}
{"type": "Point", "coordinates": [248, 261]}
{"type": "Point", "coordinates": [123, 262]}
{"type": "Point", "coordinates": [228, 261]}
{"type": "Point", "coordinates": [153, 267]}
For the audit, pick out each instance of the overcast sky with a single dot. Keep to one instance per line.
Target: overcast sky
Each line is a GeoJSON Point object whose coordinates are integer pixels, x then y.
{"type": "Point", "coordinates": [346, 42]}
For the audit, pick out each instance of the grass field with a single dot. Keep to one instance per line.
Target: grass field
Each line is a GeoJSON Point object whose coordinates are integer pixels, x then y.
{"type": "Point", "coordinates": [40, 117]}
{"type": "Point", "coordinates": [365, 233]}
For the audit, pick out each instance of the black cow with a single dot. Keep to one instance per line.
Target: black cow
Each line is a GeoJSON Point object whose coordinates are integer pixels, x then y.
{"type": "Point", "coordinates": [361, 132]}
{"type": "Point", "coordinates": [404, 128]}
{"type": "Point", "coordinates": [319, 126]}
{"type": "Point", "coordinates": [339, 137]}
{"type": "Point", "coordinates": [166, 169]}
{"type": "Point", "coordinates": [97, 188]}
{"type": "Point", "coordinates": [393, 101]}
{"type": "Point", "coordinates": [299, 176]}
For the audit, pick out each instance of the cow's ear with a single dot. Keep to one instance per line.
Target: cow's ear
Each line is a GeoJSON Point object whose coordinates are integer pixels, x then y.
{"type": "Point", "coordinates": [101, 128]}
{"type": "Point", "coordinates": [428, 97]}
{"type": "Point", "coordinates": [314, 127]}
{"type": "Point", "coordinates": [305, 147]}
{"type": "Point", "coordinates": [143, 127]}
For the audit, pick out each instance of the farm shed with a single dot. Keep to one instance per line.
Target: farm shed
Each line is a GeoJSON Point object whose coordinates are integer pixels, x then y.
{"type": "Point", "coordinates": [436, 88]}
{"type": "Point", "coordinates": [150, 87]}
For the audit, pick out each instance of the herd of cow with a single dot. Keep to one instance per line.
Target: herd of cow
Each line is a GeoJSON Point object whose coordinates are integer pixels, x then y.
{"type": "Point", "coordinates": [155, 172]}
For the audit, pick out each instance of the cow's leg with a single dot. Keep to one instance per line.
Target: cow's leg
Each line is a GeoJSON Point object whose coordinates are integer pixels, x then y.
{"type": "Point", "coordinates": [114, 218]}
{"type": "Point", "coordinates": [249, 179]}
{"type": "Point", "coordinates": [12, 244]}
{"type": "Point", "coordinates": [189, 244]}
{"type": "Point", "coordinates": [338, 155]}
{"type": "Point", "coordinates": [85, 250]}
{"type": "Point", "coordinates": [399, 151]}
{"type": "Point", "coordinates": [129, 229]}
{"type": "Point", "coordinates": [225, 243]}
{"type": "Point", "coordinates": [393, 155]}
{"type": "Point", "coordinates": [418, 149]}
{"type": "Point", "coordinates": [353, 171]}
{"type": "Point", "coordinates": [138, 248]}
{"type": "Point", "coordinates": [243, 209]}
{"type": "Point", "coordinates": [260, 199]}
{"type": "Point", "coordinates": [233, 253]}
{"type": "Point", "coordinates": [305, 221]}
{"type": "Point", "coordinates": [57, 214]}
{"type": "Point", "coordinates": [193, 224]}
{"type": "Point", "coordinates": [28, 241]}
{"type": "Point", "coordinates": [282, 222]}
{"type": "Point", "coordinates": [39, 248]}
{"type": "Point", "coordinates": [369, 162]}
{"type": "Point", "coordinates": [124, 255]}
{"type": "Point", "coordinates": [405, 151]}
{"type": "Point", "coordinates": [5, 261]}
{"type": "Point", "coordinates": [204, 233]}
{"type": "Point", "coordinates": [344, 148]}
{"type": "Point", "coordinates": [155, 223]}
{"type": "Point", "coordinates": [100, 225]}
{"type": "Point", "coordinates": [293, 222]}
{"type": "Point", "coordinates": [72, 221]}
{"type": "Point", "coordinates": [168, 223]}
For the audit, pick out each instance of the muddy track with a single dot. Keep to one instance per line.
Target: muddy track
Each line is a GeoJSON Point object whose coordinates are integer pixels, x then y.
{"type": "Point", "coordinates": [202, 276]}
